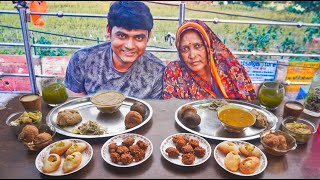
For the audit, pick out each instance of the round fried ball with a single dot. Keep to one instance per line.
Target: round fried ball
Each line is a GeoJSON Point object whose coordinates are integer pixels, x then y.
{"type": "Point", "coordinates": [271, 140]}
{"type": "Point", "coordinates": [42, 137]}
{"type": "Point", "coordinates": [68, 117]}
{"type": "Point", "coordinates": [126, 158]}
{"type": "Point", "coordinates": [134, 148]}
{"type": "Point", "coordinates": [194, 143]}
{"type": "Point", "coordinates": [132, 119]}
{"type": "Point", "coordinates": [115, 157]}
{"type": "Point", "coordinates": [28, 133]}
{"type": "Point", "coordinates": [188, 158]}
{"type": "Point", "coordinates": [191, 119]}
{"type": "Point", "coordinates": [113, 147]}
{"type": "Point", "coordinates": [282, 142]}
{"type": "Point", "coordinates": [172, 152]}
{"type": "Point", "coordinates": [180, 143]}
{"type": "Point", "coordinates": [199, 152]}
{"type": "Point", "coordinates": [128, 142]}
{"type": "Point", "coordinates": [139, 155]}
{"type": "Point", "coordinates": [139, 107]}
{"type": "Point", "coordinates": [186, 108]}
{"type": "Point", "coordinates": [179, 137]}
{"type": "Point", "coordinates": [122, 149]}
{"type": "Point", "coordinates": [187, 149]}
{"type": "Point", "coordinates": [142, 145]}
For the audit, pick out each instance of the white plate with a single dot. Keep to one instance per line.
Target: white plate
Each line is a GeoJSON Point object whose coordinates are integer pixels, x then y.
{"type": "Point", "coordinates": [202, 142]}
{"type": "Point", "coordinates": [118, 139]}
{"type": "Point", "coordinates": [86, 157]}
{"type": "Point", "coordinates": [219, 157]}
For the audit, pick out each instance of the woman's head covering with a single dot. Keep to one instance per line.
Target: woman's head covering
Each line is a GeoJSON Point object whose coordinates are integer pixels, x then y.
{"type": "Point", "coordinates": [231, 77]}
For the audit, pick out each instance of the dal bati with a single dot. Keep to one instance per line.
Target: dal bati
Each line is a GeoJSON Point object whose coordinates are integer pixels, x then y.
{"type": "Point", "coordinates": [236, 117]}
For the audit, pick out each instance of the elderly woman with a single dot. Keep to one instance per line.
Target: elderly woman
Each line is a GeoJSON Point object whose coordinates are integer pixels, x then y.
{"type": "Point", "coordinates": [207, 68]}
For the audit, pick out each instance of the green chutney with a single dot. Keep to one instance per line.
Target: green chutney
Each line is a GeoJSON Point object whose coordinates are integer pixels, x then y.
{"type": "Point", "coordinates": [54, 93]}
{"type": "Point", "coordinates": [270, 98]}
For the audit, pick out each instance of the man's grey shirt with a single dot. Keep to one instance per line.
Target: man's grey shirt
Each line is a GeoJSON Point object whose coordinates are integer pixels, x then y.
{"type": "Point", "coordinates": [91, 70]}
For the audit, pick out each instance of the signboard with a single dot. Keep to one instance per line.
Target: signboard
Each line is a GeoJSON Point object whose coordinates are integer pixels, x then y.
{"type": "Point", "coordinates": [300, 71]}
{"type": "Point", "coordinates": [260, 71]}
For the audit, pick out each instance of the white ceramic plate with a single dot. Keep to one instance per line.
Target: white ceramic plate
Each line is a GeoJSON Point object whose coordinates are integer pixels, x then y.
{"type": "Point", "coordinates": [219, 157]}
{"type": "Point", "coordinates": [202, 142]}
{"type": "Point", "coordinates": [118, 139]}
{"type": "Point", "coordinates": [86, 157]}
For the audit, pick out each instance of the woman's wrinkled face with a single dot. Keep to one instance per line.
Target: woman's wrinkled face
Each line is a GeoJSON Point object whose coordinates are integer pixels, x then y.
{"type": "Point", "coordinates": [193, 51]}
{"type": "Point", "coordinates": [127, 45]}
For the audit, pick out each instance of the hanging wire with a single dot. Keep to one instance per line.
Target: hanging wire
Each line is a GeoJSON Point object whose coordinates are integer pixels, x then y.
{"type": "Point", "coordinates": [55, 34]}
{"type": "Point", "coordinates": [216, 12]}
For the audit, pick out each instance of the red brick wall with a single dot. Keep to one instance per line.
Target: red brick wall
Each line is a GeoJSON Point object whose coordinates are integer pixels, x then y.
{"type": "Point", "coordinates": [14, 64]}
{"type": "Point", "coordinates": [55, 65]}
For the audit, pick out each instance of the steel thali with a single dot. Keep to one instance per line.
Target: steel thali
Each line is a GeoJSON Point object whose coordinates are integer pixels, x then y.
{"type": "Point", "coordinates": [211, 128]}
{"type": "Point", "coordinates": [113, 123]}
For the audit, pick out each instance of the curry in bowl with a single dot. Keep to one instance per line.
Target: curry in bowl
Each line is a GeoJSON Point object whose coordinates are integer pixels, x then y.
{"type": "Point", "coordinates": [301, 129]}
{"type": "Point", "coordinates": [109, 101]}
{"type": "Point", "coordinates": [235, 118]}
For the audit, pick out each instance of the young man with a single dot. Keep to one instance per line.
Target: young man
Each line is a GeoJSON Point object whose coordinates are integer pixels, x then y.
{"type": "Point", "coordinates": [122, 64]}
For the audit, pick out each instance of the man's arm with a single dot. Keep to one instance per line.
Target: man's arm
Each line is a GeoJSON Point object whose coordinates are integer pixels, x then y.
{"type": "Point", "coordinates": [74, 76]}
{"type": "Point", "coordinates": [73, 94]}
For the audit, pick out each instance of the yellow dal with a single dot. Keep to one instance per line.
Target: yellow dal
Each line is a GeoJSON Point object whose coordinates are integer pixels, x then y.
{"type": "Point", "coordinates": [236, 117]}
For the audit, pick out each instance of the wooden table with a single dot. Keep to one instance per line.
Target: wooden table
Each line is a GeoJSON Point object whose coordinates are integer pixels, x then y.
{"type": "Point", "coordinates": [17, 162]}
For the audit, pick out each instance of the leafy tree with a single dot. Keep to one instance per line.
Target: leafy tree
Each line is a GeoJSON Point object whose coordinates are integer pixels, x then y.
{"type": "Point", "coordinates": [254, 40]}
{"type": "Point", "coordinates": [309, 5]}
{"type": "Point", "coordinates": [312, 32]}
{"type": "Point", "coordinates": [258, 4]}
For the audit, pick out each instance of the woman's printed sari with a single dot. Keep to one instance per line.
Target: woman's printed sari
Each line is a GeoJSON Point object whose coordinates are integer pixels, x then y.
{"type": "Point", "coordinates": [229, 75]}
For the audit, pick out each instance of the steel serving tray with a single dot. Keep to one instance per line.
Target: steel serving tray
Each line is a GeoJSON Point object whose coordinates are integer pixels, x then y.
{"type": "Point", "coordinates": [211, 128]}
{"type": "Point", "coordinates": [113, 123]}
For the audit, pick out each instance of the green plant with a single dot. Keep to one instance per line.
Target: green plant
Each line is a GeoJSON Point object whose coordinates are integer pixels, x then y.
{"type": "Point", "coordinates": [295, 9]}
{"type": "Point", "coordinates": [258, 4]}
{"type": "Point", "coordinates": [255, 40]}
{"type": "Point", "coordinates": [290, 45]}
{"type": "Point", "coordinates": [309, 5]}
{"type": "Point", "coordinates": [47, 51]}
{"type": "Point", "coordinates": [312, 32]}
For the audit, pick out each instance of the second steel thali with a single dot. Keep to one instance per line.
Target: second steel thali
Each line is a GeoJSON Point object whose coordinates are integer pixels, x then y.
{"type": "Point", "coordinates": [211, 128]}
{"type": "Point", "coordinates": [113, 123]}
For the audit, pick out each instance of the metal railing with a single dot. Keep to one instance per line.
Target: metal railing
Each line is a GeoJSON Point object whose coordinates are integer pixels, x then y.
{"type": "Point", "coordinates": [182, 10]}
{"type": "Point", "coordinates": [253, 53]}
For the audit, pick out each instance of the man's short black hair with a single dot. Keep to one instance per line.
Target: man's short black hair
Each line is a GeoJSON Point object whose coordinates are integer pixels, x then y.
{"type": "Point", "coordinates": [130, 15]}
